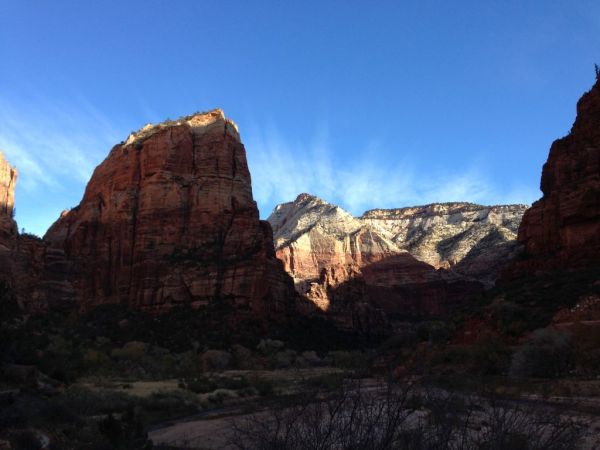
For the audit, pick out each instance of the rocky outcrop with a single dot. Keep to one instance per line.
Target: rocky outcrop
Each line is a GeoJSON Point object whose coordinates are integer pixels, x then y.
{"type": "Point", "coordinates": [562, 229]}
{"type": "Point", "coordinates": [8, 227]}
{"type": "Point", "coordinates": [312, 235]}
{"type": "Point", "coordinates": [168, 219]}
{"type": "Point", "coordinates": [21, 256]}
{"type": "Point", "coordinates": [8, 180]}
{"type": "Point", "coordinates": [379, 297]}
{"type": "Point", "coordinates": [357, 270]}
{"type": "Point", "coordinates": [474, 240]}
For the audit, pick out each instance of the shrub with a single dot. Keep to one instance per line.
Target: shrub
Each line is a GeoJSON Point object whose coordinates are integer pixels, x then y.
{"type": "Point", "coordinates": [234, 383]}
{"type": "Point", "coordinates": [350, 360]}
{"type": "Point", "coordinates": [96, 360]}
{"type": "Point", "coordinates": [510, 318]}
{"type": "Point", "coordinates": [312, 359]}
{"type": "Point", "coordinates": [283, 360]}
{"type": "Point", "coordinates": [397, 417]}
{"type": "Point", "coordinates": [201, 385]}
{"type": "Point", "coordinates": [269, 346]}
{"type": "Point", "coordinates": [85, 402]}
{"type": "Point", "coordinates": [188, 364]}
{"type": "Point", "coordinates": [216, 360]}
{"type": "Point", "coordinates": [406, 338]}
{"type": "Point", "coordinates": [132, 351]}
{"type": "Point", "coordinates": [435, 332]}
{"type": "Point", "coordinates": [220, 395]}
{"type": "Point", "coordinates": [204, 385]}
{"type": "Point", "coordinates": [327, 382]}
{"type": "Point", "coordinates": [586, 340]}
{"type": "Point", "coordinates": [242, 357]}
{"type": "Point", "coordinates": [548, 353]}
{"type": "Point", "coordinates": [490, 357]}
{"type": "Point", "coordinates": [264, 387]}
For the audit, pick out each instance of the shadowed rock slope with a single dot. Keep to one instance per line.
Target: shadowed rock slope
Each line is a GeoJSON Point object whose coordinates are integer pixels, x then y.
{"type": "Point", "coordinates": [410, 261]}
{"type": "Point", "coordinates": [474, 241]}
{"type": "Point", "coordinates": [562, 229]}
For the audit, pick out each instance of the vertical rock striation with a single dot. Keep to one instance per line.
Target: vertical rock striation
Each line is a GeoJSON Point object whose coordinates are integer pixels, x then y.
{"type": "Point", "coordinates": [8, 226]}
{"type": "Point", "coordinates": [168, 218]}
{"type": "Point", "coordinates": [8, 180]}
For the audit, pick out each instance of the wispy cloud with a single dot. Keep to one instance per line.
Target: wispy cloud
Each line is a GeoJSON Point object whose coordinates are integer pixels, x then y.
{"type": "Point", "coordinates": [51, 144]}
{"type": "Point", "coordinates": [55, 147]}
{"type": "Point", "coordinates": [281, 169]}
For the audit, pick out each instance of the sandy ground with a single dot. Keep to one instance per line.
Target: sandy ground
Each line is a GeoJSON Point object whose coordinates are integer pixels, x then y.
{"type": "Point", "coordinates": [203, 434]}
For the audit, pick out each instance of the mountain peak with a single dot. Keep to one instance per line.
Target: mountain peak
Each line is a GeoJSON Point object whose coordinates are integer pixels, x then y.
{"type": "Point", "coordinates": [8, 178]}
{"type": "Point", "coordinates": [200, 122]}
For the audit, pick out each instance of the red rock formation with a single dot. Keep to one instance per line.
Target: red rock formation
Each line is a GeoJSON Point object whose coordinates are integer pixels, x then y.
{"type": "Point", "coordinates": [354, 273]}
{"type": "Point", "coordinates": [8, 227]}
{"type": "Point", "coordinates": [373, 297]}
{"type": "Point", "coordinates": [21, 256]}
{"type": "Point", "coordinates": [562, 229]}
{"type": "Point", "coordinates": [8, 180]}
{"type": "Point", "coordinates": [168, 218]}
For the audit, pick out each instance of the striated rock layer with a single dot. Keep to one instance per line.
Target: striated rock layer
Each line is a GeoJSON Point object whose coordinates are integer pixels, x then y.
{"type": "Point", "coordinates": [8, 180]}
{"type": "Point", "coordinates": [475, 241]}
{"type": "Point", "coordinates": [562, 229]}
{"type": "Point", "coordinates": [359, 271]}
{"type": "Point", "coordinates": [168, 218]}
{"type": "Point", "coordinates": [8, 227]}
{"type": "Point", "coordinates": [312, 235]}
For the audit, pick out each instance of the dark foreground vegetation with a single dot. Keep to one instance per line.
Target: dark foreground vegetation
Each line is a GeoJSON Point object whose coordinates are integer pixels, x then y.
{"type": "Point", "coordinates": [404, 416]}
{"type": "Point", "coordinates": [495, 375]}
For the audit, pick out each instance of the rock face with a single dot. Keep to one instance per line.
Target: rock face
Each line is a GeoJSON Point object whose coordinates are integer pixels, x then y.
{"type": "Point", "coordinates": [168, 218]}
{"type": "Point", "coordinates": [312, 235]}
{"type": "Point", "coordinates": [475, 241]}
{"type": "Point", "coordinates": [8, 180]}
{"type": "Point", "coordinates": [562, 229]}
{"type": "Point", "coordinates": [359, 270]}
{"type": "Point", "coordinates": [8, 227]}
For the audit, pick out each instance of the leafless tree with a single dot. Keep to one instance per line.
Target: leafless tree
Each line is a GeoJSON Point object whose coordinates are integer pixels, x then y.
{"type": "Point", "coordinates": [403, 417]}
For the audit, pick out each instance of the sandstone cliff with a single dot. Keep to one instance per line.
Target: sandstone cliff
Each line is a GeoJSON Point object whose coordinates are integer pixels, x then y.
{"type": "Point", "coordinates": [8, 227]}
{"type": "Point", "coordinates": [312, 235]}
{"type": "Point", "coordinates": [167, 219]}
{"type": "Point", "coordinates": [8, 180]}
{"type": "Point", "coordinates": [359, 271]}
{"type": "Point", "coordinates": [475, 241]}
{"type": "Point", "coordinates": [562, 229]}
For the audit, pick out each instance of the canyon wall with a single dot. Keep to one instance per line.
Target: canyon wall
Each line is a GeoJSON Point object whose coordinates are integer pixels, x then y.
{"type": "Point", "coordinates": [473, 240]}
{"type": "Point", "coordinates": [167, 219]}
{"type": "Point", "coordinates": [361, 270]}
{"type": "Point", "coordinates": [8, 227]}
{"type": "Point", "coordinates": [562, 229]}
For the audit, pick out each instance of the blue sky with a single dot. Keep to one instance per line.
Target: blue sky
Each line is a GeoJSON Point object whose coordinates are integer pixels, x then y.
{"type": "Point", "coordinates": [367, 104]}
